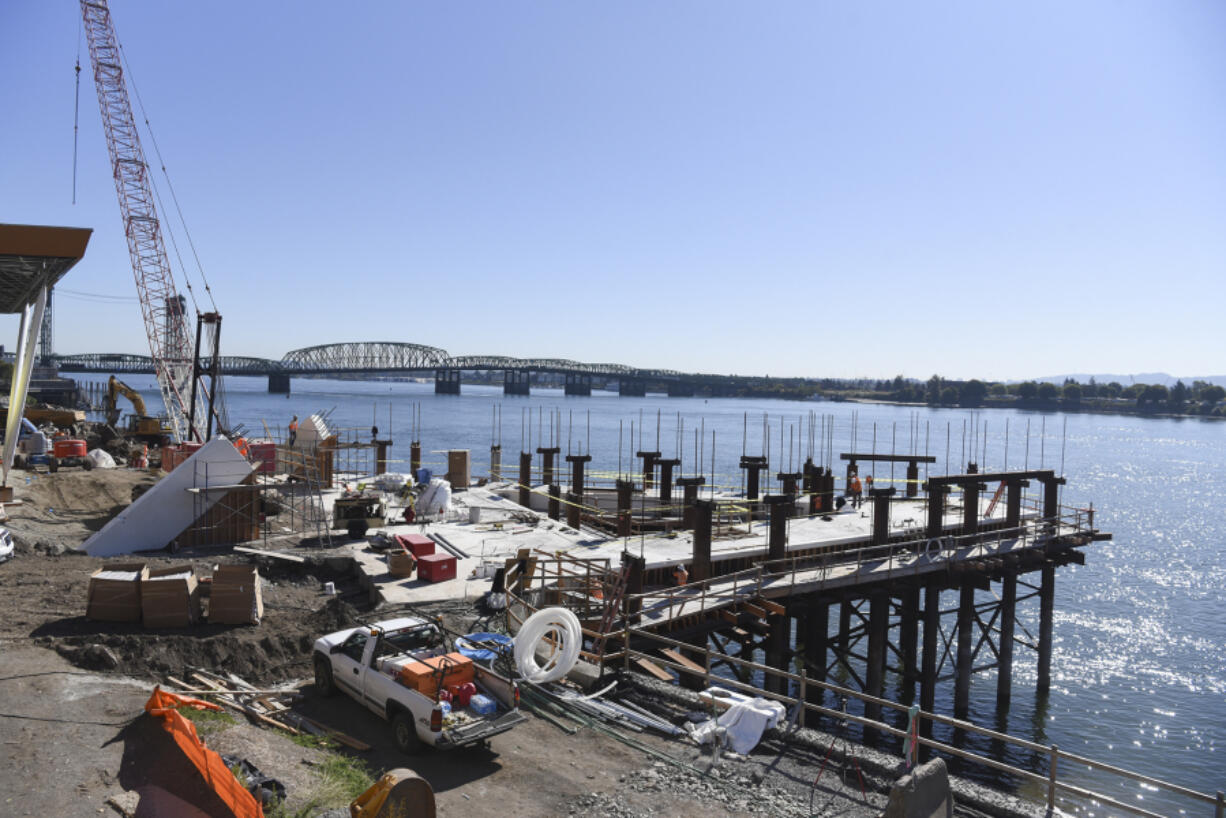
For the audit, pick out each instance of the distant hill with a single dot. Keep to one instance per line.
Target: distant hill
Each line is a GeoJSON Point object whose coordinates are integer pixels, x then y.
{"type": "Point", "coordinates": [1140, 377]}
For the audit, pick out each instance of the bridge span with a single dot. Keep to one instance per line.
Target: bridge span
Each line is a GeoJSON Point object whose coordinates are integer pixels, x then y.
{"type": "Point", "coordinates": [401, 358]}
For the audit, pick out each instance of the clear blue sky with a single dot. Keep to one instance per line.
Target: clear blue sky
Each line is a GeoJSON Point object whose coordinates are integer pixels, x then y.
{"type": "Point", "coordinates": [812, 188]}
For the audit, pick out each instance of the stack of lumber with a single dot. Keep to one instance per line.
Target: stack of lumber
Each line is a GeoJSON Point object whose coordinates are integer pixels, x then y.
{"type": "Point", "coordinates": [271, 707]}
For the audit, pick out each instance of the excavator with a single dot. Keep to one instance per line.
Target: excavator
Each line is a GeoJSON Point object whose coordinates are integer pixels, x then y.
{"type": "Point", "coordinates": [142, 427]}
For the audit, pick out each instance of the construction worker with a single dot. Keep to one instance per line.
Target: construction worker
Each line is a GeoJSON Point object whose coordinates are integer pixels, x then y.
{"type": "Point", "coordinates": [868, 485]}
{"type": "Point", "coordinates": [293, 430]}
{"type": "Point", "coordinates": [855, 490]}
{"type": "Point", "coordinates": [681, 575]}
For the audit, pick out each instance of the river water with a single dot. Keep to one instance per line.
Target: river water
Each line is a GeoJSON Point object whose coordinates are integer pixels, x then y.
{"type": "Point", "coordinates": [1139, 664]}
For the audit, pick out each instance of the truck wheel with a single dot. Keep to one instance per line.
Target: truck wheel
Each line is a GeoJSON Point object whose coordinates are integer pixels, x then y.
{"type": "Point", "coordinates": [53, 465]}
{"type": "Point", "coordinates": [404, 732]}
{"type": "Point", "coordinates": [324, 685]}
{"type": "Point", "coordinates": [87, 464]}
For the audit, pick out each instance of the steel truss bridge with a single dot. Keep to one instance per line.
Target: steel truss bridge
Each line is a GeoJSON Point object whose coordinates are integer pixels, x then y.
{"type": "Point", "coordinates": [391, 357]}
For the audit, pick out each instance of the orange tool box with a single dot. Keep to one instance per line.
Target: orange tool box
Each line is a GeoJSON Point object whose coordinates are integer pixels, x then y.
{"type": "Point", "coordinates": [439, 672]}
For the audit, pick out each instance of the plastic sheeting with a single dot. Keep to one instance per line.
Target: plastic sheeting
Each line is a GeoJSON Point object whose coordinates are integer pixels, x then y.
{"type": "Point", "coordinates": [164, 705]}
{"type": "Point", "coordinates": [435, 499]}
{"type": "Point", "coordinates": [102, 460]}
{"type": "Point", "coordinates": [743, 724]}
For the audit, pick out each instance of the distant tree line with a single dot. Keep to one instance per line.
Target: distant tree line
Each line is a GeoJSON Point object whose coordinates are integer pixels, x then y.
{"type": "Point", "coordinates": [1201, 398]}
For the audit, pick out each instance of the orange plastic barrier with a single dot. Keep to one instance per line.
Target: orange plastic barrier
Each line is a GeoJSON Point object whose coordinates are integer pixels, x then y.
{"type": "Point", "coordinates": [163, 704]}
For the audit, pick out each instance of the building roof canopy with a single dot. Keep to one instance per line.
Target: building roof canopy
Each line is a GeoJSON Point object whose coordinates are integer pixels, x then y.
{"type": "Point", "coordinates": [32, 256]}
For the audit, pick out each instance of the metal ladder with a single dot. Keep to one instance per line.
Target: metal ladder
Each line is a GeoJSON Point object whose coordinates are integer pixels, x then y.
{"type": "Point", "coordinates": [612, 607]}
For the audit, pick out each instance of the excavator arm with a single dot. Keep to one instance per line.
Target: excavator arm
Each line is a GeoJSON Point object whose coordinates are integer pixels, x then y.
{"type": "Point", "coordinates": [114, 389]}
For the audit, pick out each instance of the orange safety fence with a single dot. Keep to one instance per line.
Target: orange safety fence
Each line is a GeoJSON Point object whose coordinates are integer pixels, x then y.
{"type": "Point", "coordinates": [163, 704]}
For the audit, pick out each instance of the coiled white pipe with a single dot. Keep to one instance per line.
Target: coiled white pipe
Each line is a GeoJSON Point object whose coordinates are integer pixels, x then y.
{"type": "Point", "coordinates": [561, 628]}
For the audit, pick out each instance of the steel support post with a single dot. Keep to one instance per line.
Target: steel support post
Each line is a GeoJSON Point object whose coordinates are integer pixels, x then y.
{"type": "Point", "coordinates": [777, 649]}
{"type": "Point", "coordinates": [689, 496]}
{"type": "Point", "coordinates": [555, 501]}
{"type": "Point", "coordinates": [495, 463]}
{"type": "Point", "coordinates": [573, 509]}
{"type": "Point", "coordinates": [625, 496]}
{"type": "Point", "coordinates": [577, 462]}
{"type": "Point", "coordinates": [666, 479]}
{"type": "Point", "coordinates": [1008, 605]}
{"type": "Point", "coordinates": [547, 454]}
{"type": "Point", "coordinates": [525, 479]}
{"type": "Point", "coordinates": [414, 457]}
{"type": "Point", "coordinates": [932, 641]}
{"type": "Point", "coordinates": [817, 622]}
{"type": "Point", "coordinates": [908, 637]}
{"type": "Point", "coordinates": [874, 672]}
{"type": "Point", "coordinates": [962, 669]}
{"type": "Point", "coordinates": [1047, 599]}
{"type": "Point", "coordinates": [649, 468]}
{"type": "Point", "coordinates": [701, 563]}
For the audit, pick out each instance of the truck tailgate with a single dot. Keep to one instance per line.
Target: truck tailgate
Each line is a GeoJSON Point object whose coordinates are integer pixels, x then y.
{"type": "Point", "coordinates": [480, 730]}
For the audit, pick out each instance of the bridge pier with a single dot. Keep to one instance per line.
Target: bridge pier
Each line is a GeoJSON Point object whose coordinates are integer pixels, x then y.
{"type": "Point", "coordinates": [631, 388]}
{"type": "Point", "coordinates": [446, 381]}
{"type": "Point", "coordinates": [515, 382]}
{"type": "Point", "coordinates": [579, 384]}
{"type": "Point", "coordinates": [278, 384]}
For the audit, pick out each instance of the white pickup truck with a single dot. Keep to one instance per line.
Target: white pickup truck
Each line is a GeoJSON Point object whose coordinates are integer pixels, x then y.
{"type": "Point", "coordinates": [366, 662]}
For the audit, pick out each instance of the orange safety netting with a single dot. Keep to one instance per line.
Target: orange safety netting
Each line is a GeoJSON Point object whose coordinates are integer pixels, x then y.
{"type": "Point", "coordinates": [216, 774]}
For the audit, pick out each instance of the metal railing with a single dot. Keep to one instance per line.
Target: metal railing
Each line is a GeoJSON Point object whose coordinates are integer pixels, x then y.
{"type": "Point", "coordinates": [900, 558]}
{"type": "Point", "coordinates": [1058, 759]}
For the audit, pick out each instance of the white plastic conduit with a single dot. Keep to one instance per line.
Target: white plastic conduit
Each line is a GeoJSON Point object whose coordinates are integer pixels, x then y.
{"type": "Point", "coordinates": [559, 628]}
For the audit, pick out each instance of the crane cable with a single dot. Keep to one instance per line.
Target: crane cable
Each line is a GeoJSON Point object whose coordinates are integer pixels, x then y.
{"type": "Point", "coordinates": [76, 114]}
{"type": "Point", "coordinates": [174, 196]}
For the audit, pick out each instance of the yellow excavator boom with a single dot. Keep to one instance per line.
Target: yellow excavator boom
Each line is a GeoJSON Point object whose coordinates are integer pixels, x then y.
{"type": "Point", "coordinates": [115, 388]}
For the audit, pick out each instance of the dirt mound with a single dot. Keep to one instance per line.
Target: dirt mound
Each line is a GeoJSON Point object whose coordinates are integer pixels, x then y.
{"type": "Point", "coordinates": [43, 598]}
{"type": "Point", "coordinates": [59, 511]}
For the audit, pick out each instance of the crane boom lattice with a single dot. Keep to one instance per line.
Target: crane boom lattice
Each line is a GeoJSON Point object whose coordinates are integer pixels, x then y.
{"type": "Point", "coordinates": [163, 309]}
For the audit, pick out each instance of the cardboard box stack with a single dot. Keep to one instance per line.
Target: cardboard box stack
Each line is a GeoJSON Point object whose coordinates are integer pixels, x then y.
{"type": "Point", "coordinates": [170, 598]}
{"type": "Point", "coordinates": [235, 597]}
{"type": "Point", "coordinates": [114, 592]}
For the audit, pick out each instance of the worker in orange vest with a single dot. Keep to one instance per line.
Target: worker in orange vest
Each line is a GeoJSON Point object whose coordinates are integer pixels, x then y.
{"type": "Point", "coordinates": [855, 488]}
{"type": "Point", "coordinates": [681, 575]}
{"type": "Point", "coordinates": [293, 430]}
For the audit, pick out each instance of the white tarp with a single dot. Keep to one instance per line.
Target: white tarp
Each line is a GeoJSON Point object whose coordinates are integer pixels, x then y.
{"type": "Point", "coordinates": [102, 459]}
{"type": "Point", "coordinates": [744, 723]}
{"type": "Point", "coordinates": [167, 509]}
{"type": "Point", "coordinates": [31, 323]}
{"type": "Point", "coordinates": [435, 499]}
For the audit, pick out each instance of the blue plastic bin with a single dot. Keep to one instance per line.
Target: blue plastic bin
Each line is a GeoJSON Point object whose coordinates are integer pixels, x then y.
{"type": "Point", "coordinates": [482, 704]}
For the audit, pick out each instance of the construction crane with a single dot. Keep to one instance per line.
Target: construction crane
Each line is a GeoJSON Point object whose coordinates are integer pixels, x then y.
{"type": "Point", "coordinates": [175, 358]}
